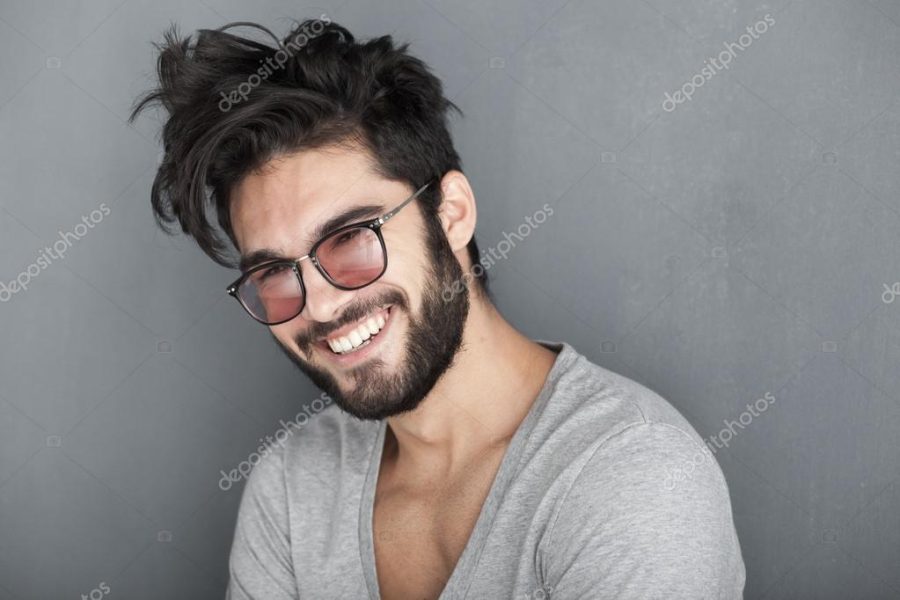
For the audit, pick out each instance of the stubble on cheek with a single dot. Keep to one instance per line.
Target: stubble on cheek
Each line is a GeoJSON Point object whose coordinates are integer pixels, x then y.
{"type": "Point", "coordinates": [304, 350]}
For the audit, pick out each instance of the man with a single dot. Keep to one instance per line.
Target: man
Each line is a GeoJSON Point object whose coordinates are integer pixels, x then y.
{"type": "Point", "coordinates": [460, 459]}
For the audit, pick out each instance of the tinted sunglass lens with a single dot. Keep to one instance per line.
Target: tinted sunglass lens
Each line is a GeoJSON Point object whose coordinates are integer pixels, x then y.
{"type": "Point", "coordinates": [272, 294]}
{"type": "Point", "coordinates": [352, 257]}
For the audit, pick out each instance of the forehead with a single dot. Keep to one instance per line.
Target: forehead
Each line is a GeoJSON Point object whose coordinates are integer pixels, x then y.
{"type": "Point", "coordinates": [279, 206]}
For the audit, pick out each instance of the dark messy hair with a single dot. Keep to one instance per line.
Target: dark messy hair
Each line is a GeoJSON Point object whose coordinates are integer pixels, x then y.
{"type": "Point", "coordinates": [234, 104]}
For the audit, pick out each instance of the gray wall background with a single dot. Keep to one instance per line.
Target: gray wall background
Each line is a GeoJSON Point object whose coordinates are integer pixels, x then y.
{"type": "Point", "coordinates": [746, 242]}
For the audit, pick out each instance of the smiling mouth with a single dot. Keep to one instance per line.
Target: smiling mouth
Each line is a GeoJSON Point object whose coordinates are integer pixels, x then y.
{"type": "Point", "coordinates": [360, 336]}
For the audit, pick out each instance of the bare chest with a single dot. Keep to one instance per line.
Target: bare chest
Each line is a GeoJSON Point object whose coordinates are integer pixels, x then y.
{"type": "Point", "coordinates": [419, 536]}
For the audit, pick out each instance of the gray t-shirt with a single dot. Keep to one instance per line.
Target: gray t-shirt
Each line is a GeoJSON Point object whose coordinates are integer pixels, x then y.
{"type": "Point", "coordinates": [605, 491]}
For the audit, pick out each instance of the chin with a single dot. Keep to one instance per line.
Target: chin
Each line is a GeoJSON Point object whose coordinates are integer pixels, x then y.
{"type": "Point", "coordinates": [393, 370]}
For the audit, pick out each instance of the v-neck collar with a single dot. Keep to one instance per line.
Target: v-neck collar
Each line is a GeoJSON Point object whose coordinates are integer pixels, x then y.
{"type": "Point", "coordinates": [460, 578]}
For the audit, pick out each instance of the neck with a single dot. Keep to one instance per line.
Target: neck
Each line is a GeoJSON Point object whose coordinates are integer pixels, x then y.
{"type": "Point", "coordinates": [478, 403]}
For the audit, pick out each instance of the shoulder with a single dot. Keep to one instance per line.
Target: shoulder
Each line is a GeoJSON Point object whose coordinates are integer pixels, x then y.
{"type": "Point", "coordinates": [590, 404]}
{"type": "Point", "coordinates": [643, 490]}
{"type": "Point", "coordinates": [631, 525]}
{"type": "Point", "coordinates": [299, 469]}
{"type": "Point", "coordinates": [630, 435]}
{"type": "Point", "coordinates": [315, 443]}
{"type": "Point", "coordinates": [651, 458]}
{"type": "Point", "coordinates": [645, 404]}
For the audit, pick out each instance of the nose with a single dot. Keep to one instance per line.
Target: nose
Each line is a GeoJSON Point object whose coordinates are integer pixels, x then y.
{"type": "Point", "coordinates": [323, 301]}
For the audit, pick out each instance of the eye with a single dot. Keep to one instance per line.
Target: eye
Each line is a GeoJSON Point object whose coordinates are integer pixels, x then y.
{"type": "Point", "coordinates": [271, 271]}
{"type": "Point", "coordinates": [347, 236]}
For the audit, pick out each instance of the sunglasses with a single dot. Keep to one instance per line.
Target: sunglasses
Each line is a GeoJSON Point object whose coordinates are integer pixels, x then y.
{"type": "Point", "coordinates": [349, 258]}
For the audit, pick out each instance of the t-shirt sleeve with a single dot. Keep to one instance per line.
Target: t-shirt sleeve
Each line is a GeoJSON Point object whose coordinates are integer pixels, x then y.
{"type": "Point", "coordinates": [260, 565]}
{"type": "Point", "coordinates": [649, 516]}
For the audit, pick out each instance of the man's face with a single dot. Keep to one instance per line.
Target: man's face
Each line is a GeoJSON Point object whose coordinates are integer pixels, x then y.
{"type": "Point", "coordinates": [396, 367]}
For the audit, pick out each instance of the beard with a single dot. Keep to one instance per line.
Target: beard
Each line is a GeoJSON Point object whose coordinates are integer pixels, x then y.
{"type": "Point", "coordinates": [434, 338]}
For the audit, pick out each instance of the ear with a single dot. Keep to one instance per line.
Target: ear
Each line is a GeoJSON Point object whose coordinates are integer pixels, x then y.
{"type": "Point", "coordinates": [457, 211]}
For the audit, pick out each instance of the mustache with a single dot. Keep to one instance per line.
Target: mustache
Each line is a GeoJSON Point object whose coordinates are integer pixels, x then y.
{"type": "Point", "coordinates": [352, 314]}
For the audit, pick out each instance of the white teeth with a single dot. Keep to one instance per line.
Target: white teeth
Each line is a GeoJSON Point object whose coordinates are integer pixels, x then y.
{"type": "Point", "coordinates": [358, 336]}
{"type": "Point", "coordinates": [372, 326]}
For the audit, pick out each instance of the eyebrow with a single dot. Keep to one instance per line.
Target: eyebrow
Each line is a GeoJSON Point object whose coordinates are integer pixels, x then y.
{"type": "Point", "coordinates": [351, 215]}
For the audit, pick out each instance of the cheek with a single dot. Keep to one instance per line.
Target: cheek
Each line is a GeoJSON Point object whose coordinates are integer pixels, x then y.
{"type": "Point", "coordinates": [285, 335]}
{"type": "Point", "coordinates": [281, 333]}
{"type": "Point", "coordinates": [407, 269]}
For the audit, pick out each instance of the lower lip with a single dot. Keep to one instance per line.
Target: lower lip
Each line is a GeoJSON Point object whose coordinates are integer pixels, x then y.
{"type": "Point", "coordinates": [362, 353]}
